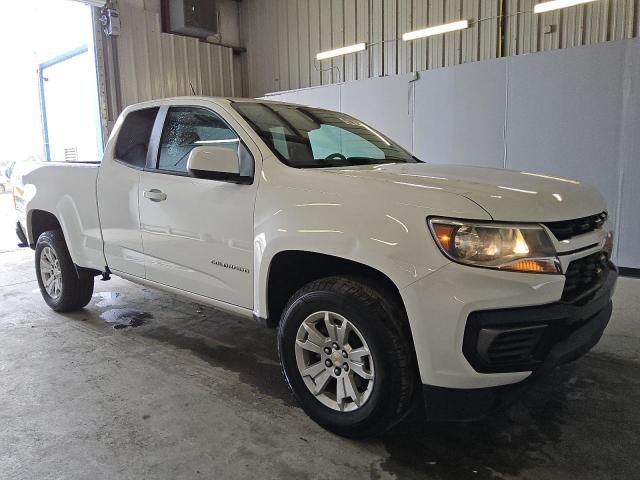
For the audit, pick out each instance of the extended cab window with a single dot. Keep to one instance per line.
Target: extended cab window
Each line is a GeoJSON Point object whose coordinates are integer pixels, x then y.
{"type": "Point", "coordinates": [133, 139]}
{"type": "Point", "coordinates": [305, 137]}
{"type": "Point", "coordinates": [187, 128]}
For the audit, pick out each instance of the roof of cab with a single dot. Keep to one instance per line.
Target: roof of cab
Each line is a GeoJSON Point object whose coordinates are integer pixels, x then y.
{"type": "Point", "coordinates": [219, 100]}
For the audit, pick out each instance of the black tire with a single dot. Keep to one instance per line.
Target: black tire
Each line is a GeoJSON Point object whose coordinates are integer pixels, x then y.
{"type": "Point", "coordinates": [383, 325]}
{"type": "Point", "coordinates": [77, 282]}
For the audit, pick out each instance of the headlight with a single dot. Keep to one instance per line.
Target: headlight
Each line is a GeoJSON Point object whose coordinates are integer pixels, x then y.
{"type": "Point", "coordinates": [521, 248]}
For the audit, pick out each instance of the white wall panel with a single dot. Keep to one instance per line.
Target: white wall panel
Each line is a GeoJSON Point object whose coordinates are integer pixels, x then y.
{"type": "Point", "coordinates": [383, 103]}
{"type": "Point", "coordinates": [460, 114]}
{"type": "Point", "coordinates": [564, 115]}
{"type": "Point", "coordinates": [629, 193]}
{"type": "Point", "coordinates": [323, 97]}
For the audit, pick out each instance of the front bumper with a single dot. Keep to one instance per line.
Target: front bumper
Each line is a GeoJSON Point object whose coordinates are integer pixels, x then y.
{"type": "Point", "coordinates": [439, 304]}
{"type": "Point", "coordinates": [562, 331]}
{"type": "Point", "coordinates": [517, 339]}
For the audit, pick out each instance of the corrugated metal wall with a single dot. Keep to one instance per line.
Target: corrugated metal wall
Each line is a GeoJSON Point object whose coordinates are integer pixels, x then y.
{"type": "Point", "coordinates": [600, 21]}
{"type": "Point", "coordinates": [283, 36]}
{"type": "Point", "coordinates": [154, 64]}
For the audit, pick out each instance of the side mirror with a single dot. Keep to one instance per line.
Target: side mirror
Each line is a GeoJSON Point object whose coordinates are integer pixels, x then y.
{"type": "Point", "coordinates": [216, 163]}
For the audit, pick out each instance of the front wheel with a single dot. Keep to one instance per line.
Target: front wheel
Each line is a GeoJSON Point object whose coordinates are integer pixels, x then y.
{"type": "Point", "coordinates": [346, 356]}
{"type": "Point", "coordinates": [63, 286]}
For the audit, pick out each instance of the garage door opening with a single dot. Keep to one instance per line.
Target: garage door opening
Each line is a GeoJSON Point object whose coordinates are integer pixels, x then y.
{"type": "Point", "coordinates": [48, 91]}
{"type": "Point", "coordinates": [51, 88]}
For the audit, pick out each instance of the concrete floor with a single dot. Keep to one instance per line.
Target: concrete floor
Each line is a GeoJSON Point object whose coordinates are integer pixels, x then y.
{"type": "Point", "coordinates": [190, 392]}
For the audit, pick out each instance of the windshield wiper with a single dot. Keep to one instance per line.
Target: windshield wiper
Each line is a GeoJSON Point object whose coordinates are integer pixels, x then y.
{"type": "Point", "coordinates": [349, 162]}
{"type": "Point", "coordinates": [321, 163]}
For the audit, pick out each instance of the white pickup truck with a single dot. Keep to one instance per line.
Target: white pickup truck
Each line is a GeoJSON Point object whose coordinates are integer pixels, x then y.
{"type": "Point", "coordinates": [386, 277]}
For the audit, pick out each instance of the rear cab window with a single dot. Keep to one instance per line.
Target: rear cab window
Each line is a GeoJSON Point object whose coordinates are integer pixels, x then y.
{"type": "Point", "coordinates": [134, 136]}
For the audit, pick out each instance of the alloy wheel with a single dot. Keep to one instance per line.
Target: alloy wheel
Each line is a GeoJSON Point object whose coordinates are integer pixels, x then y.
{"type": "Point", "coordinates": [334, 361]}
{"type": "Point", "coordinates": [50, 272]}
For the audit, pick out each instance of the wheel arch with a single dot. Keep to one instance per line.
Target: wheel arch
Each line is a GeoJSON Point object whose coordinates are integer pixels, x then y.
{"type": "Point", "coordinates": [289, 270]}
{"type": "Point", "coordinates": [38, 222]}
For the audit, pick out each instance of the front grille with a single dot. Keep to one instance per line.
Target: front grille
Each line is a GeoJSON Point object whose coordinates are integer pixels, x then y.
{"type": "Point", "coordinates": [571, 228]}
{"type": "Point", "coordinates": [502, 348]}
{"type": "Point", "coordinates": [585, 275]}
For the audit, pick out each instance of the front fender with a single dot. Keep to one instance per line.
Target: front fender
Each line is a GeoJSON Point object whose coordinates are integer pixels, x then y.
{"type": "Point", "coordinates": [295, 213]}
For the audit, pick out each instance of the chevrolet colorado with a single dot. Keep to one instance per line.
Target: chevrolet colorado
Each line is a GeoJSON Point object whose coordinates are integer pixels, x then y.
{"type": "Point", "coordinates": [386, 277]}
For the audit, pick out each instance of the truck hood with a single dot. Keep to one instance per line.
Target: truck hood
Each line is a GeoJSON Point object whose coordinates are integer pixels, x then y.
{"type": "Point", "coordinates": [506, 195]}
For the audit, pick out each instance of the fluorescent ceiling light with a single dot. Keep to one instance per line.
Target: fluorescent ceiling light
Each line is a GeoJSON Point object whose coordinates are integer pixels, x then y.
{"type": "Point", "coordinates": [557, 4]}
{"type": "Point", "coordinates": [358, 47]}
{"type": "Point", "coordinates": [438, 29]}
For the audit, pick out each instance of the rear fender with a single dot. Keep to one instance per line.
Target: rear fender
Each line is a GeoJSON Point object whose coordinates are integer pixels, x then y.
{"type": "Point", "coordinates": [68, 193]}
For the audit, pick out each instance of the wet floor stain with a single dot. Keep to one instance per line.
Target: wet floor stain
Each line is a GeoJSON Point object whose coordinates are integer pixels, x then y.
{"type": "Point", "coordinates": [263, 374]}
{"type": "Point", "coordinates": [108, 299]}
{"type": "Point", "coordinates": [494, 448]}
{"type": "Point", "coordinates": [563, 423]}
{"type": "Point", "coordinates": [124, 317]}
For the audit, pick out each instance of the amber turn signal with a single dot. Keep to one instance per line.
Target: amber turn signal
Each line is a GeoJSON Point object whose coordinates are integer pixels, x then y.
{"type": "Point", "coordinates": [545, 265]}
{"type": "Point", "coordinates": [444, 233]}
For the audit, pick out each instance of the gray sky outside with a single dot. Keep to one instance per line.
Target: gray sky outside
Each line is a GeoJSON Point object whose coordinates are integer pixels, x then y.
{"type": "Point", "coordinates": [33, 31]}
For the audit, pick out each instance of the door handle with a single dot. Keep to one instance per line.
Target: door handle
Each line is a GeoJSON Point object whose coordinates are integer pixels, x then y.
{"type": "Point", "coordinates": [155, 195]}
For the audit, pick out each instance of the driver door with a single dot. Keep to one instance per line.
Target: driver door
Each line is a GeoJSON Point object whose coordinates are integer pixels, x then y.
{"type": "Point", "coordinates": [197, 233]}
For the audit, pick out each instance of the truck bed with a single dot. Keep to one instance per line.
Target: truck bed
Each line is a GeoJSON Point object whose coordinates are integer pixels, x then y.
{"type": "Point", "coordinates": [68, 190]}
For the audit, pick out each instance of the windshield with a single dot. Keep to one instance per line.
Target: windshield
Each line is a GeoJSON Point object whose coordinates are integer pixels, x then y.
{"type": "Point", "coordinates": [305, 137]}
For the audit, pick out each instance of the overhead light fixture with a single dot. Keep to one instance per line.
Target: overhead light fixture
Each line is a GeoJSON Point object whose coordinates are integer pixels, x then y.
{"type": "Point", "coordinates": [437, 30]}
{"type": "Point", "coordinates": [358, 47]}
{"type": "Point", "coordinates": [557, 4]}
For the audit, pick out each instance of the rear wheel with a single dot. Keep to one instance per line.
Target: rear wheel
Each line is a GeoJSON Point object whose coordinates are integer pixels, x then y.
{"type": "Point", "coordinates": [346, 356]}
{"type": "Point", "coordinates": [63, 286]}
